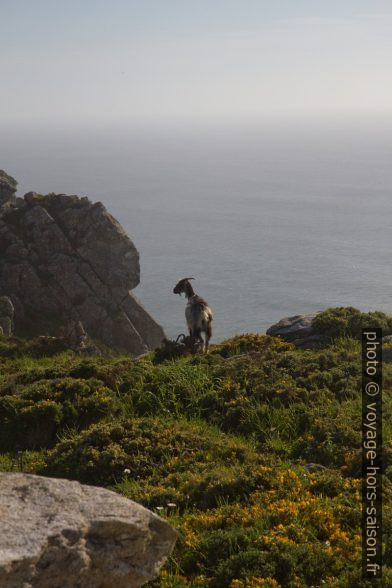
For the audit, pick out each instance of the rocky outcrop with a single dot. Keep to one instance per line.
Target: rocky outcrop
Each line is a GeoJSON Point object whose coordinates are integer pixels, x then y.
{"type": "Point", "coordinates": [62, 259]}
{"type": "Point", "coordinates": [61, 534]}
{"type": "Point", "coordinates": [298, 330]}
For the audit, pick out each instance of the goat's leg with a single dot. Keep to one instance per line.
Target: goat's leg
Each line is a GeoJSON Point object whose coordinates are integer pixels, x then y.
{"type": "Point", "coordinates": [208, 337]}
{"type": "Point", "coordinates": [193, 336]}
{"type": "Point", "coordinates": [199, 338]}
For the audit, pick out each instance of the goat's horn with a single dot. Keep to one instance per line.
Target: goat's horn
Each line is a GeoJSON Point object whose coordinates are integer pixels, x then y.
{"type": "Point", "coordinates": [189, 278]}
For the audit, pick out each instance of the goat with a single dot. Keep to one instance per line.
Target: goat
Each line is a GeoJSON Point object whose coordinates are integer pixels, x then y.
{"type": "Point", "coordinates": [197, 313]}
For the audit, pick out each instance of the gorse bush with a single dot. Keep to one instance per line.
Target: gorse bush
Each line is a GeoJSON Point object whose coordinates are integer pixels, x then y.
{"type": "Point", "coordinates": [334, 323]}
{"type": "Point", "coordinates": [33, 416]}
{"type": "Point", "coordinates": [253, 452]}
{"type": "Point", "coordinates": [145, 446]}
{"type": "Point", "coordinates": [251, 343]}
{"type": "Point", "coordinates": [185, 463]}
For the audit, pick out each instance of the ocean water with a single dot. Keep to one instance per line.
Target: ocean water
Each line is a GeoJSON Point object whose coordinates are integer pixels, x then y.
{"type": "Point", "coordinates": [271, 221]}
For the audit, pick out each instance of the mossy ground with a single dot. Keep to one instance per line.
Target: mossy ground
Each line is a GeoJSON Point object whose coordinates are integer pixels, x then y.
{"type": "Point", "coordinates": [217, 444]}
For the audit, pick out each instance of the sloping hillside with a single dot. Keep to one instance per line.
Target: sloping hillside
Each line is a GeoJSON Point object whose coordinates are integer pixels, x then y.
{"type": "Point", "coordinates": [252, 452]}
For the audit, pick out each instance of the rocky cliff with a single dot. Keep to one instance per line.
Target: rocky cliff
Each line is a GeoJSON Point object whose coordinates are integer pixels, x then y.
{"type": "Point", "coordinates": [65, 259]}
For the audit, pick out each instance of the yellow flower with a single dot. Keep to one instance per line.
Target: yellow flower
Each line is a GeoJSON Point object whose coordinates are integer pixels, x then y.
{"type": "Point", "coordinates": [255, 582]}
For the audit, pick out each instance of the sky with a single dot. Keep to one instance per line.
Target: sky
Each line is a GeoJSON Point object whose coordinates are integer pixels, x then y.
{"type": "Point", "coordinates": [108, 62]}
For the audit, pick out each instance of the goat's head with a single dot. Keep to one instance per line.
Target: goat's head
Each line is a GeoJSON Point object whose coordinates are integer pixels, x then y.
{"type": "Point", "coordinates": [181, 286]}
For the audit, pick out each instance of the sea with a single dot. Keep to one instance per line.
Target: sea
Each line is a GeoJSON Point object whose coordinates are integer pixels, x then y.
{"type": "Point", "coordinates": [271, 219]}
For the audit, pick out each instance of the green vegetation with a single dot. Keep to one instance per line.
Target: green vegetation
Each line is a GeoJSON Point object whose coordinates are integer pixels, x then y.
{"type": "Point", "coordinates": [349, 322]}
{"type": "Point", "coordinates": [217, 444]}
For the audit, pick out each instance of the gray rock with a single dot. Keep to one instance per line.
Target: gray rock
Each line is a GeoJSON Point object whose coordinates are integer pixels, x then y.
{"type": "Point", "coordinates": [6, 316]}
{"type": "Point", "coordinates": [75, 336]}
{"type": "Point", "coordinates": [314, 467]}
{"type": "Point", "coordinates": [298, 330]}
{"type": "Point", "coordinates": [62, 259]}
{"type": "Point", "coordinates": [7, 188]}
{"type": "Point", "coordinates": [61, 534]}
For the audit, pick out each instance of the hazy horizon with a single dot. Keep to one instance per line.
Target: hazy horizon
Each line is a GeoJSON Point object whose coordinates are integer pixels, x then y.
{"type": "Point", "coordinates": [270, 224]}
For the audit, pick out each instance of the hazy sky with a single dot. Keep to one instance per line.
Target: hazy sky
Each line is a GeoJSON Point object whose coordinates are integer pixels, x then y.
{"type": "Point", "coordinates": [65, 62]}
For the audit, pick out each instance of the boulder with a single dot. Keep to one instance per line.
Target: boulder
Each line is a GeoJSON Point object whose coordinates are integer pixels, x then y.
{"type": "Point", "coordinates": [314, 467]}
{"type": "Point", "coordinates": [75, 336]}
{"type": "Point", "coordinates": [60, 534]}
{"type": "Point", "coordinates": [298, 330]}
{"type": "Point", "coordinates": [63, 260]}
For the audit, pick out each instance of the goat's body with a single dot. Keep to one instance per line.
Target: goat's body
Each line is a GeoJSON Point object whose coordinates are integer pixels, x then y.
{"type": "Point", "coordinates": [198, 315]}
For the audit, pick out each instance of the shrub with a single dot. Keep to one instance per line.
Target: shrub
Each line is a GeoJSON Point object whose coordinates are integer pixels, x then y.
{"type": "Point", "coordinates": [250, 343]}
{"type": "Point", "coordinates": [146, 446]}
{"type": "Point", "coordinates": [33, 417]}
{"type": "Point", "coordinates": [334, 323]}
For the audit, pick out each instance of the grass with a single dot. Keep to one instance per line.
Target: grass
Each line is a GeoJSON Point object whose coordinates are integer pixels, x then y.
{"type": "Point", "coordinates": [216, 444]}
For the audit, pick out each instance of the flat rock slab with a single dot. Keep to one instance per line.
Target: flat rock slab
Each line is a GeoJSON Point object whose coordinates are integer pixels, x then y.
{"type": "Point", "coordinates": [293, 327]}
{"type": "Point", "coordinates": [60, 534]}
{"type": "Point", "coordinates": [297, 329]}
